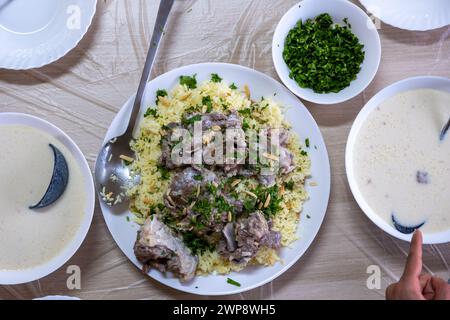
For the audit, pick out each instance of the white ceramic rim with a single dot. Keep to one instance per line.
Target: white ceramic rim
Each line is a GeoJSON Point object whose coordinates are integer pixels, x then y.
{"type": "Point", "coordinates": [277, 87]}
{"type": "Point", "coordinates": [11, 277]}
{"type": "Point", "coordinates": [308, 94]}
{"type": "Point", "coordinates": [58, 51]}
{"type": "Point", "coordinates": [421, 82]}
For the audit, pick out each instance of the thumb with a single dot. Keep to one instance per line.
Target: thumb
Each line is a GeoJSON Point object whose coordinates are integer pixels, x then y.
{"type": "Point", "coordinates": [413, 266]}
{"type": "Point", "coordinates": [441, 289]}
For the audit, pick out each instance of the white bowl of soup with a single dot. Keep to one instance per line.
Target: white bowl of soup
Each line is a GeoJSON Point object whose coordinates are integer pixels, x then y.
{"type": "Point", "coordinates": [34, 242]}
{"type": "Point", "coordinates": [397, 166]}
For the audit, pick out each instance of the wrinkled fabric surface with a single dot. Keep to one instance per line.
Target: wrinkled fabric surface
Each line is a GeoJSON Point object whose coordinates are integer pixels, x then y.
{"type": "Point", "coordinates": [82, 92]}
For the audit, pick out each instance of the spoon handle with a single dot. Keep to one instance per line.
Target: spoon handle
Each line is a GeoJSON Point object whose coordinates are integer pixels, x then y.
{"type": "Point", "coordinates": [161, 19]}
{"type": "Point", "coordinates": [444, 130]}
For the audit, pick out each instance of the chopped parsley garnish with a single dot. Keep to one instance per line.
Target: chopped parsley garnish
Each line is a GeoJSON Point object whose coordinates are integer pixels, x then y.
{"type": "Point", "coordinates": [151, 112]}
{"type": "Point", "coordinates": [251, 204]}
{"type": "Point", "coordinates": [157, 208]}
{"type": "Point", "coordinates": [198, 177]}
{"type": "Point", "coordinates": [207, 101]}
{"type": "Point", "coordinates": [275, 202]}
{"type": "Point", "coordinates": [193, 109]}
{"type": "Point", "coordinates": [322, 55]}
{"type": "Point", "coordinates": [234, 283]}
{"type": "Point", "coordinates": [222, 205]}
{"type": "Point", "coordinates": [246, 112]}
{"type": "Point", "coordinates": [126, 162]}
{"type": "Point", "coordinates": [233, 86]}
{"type": "Point", "coordinates": [245, 125]}
{"type": "Point", "coordinates": [303, 153]}
{"type": "Point", "coordinates": [190, 82]}
{"type": "Point", "coordinates": [191, 120]}
{"type": "Point", "coordinates": [160, 93]}
{"type": "Point", "coordinates": [165, 173]}
{"type": "Point", "coordinates": [211, 188]}
{"type": "Point", "coordinates": [215, 78]}
{"type": "Point", "coordinates": [196, 244]}
{"type": "Point", "coordinates": [307, 142]}
{"type": "Point", "coordinates": [289, 185]}
{"type": "Point", "coordinates": [203, 207]}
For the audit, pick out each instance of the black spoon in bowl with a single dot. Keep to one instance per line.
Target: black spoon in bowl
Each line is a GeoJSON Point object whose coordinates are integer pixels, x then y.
{"type": "Point", "coordinates": [444, 130]}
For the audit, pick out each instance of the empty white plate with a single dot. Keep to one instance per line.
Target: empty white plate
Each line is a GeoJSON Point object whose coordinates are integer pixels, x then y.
{"type": "Point", "coordinates": [36, 33]}
{"type": "Point", "coordinates": [416, 15]}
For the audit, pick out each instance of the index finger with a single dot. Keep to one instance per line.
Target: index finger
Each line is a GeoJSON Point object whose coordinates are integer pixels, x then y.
{"type": "Point", "coordinates": [413, 266]}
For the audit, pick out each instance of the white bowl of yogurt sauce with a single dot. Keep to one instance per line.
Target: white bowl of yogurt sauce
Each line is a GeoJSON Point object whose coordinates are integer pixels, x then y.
{"type": "Point", "coordinates": [34, 243]}
{"type": "Point", "coordinates": [397, 167]}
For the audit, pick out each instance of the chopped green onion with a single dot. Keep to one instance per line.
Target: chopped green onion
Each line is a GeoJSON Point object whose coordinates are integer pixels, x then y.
{"type": "Point", "coordinates": [234, 283]}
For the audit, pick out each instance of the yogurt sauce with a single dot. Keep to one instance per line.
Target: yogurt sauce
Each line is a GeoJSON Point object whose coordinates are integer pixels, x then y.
{"type": "Point", "coordinates": [29, 238]}
{"type": "Point", "coordinates": [401, 166]}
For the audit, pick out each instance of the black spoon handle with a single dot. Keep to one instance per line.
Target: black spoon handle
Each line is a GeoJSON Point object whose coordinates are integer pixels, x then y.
{"type": "Point", "coordinates": [444, 130]}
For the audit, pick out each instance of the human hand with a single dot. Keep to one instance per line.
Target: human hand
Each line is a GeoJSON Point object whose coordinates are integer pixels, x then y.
{"type": "Point", "coordinates": [416, 286]}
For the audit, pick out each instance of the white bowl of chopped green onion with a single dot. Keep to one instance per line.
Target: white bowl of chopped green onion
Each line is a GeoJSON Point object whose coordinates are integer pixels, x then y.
{"type": "Point", "coordinates": [326, 51]}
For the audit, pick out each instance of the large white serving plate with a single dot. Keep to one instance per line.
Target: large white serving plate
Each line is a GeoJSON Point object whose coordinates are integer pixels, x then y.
{"type": "Point", "coordinates": [8, 277]}
{"type": "Point", "coordinates": [124, 232]}
{"type": "Point", "coordinates": [424, 82]}
{"type": "Point", "coordinates": [418, 15]}
{"type": "Point", "coordinates": [36, 33]}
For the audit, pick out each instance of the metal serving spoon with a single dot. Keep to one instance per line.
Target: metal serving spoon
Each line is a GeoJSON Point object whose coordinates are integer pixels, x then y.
{"type": "Point", "coordinates": [444, 130]}
{"type": "Point", "coordinates": [112, 176]}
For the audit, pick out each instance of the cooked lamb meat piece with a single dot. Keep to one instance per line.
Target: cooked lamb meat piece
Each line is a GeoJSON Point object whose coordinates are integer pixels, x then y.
{"type": "Point", "coordinates": [283, 135]}
{"type": "Point", "coordinates": [211, 153]}
{"type": "Point", "coordinates": [256, 226]}
{"type": "Point", "coordinates": [213, 119]}
{"type": "Point", "coordinates": [267, 176]}
{"type": "Point", "coordinates": [210, 120]}
{"type": "Point", "coordinates": [167, 145]}
{"type": "Point", "coordinates": [267, 179]}
{"type": "Point", "coordinates": [246, 172]}
{"type": "Point", "coordinates": [272, 240]}
{"type": "Point", "coordinates": [286, 161]}
{"type": "Point", "coordinates": [235, 147]}
{"type": "Point", "coordinates": [230, 238]}
{"type": "Point", "coordinates": [157, 247]}
{"type": "Point", "coordinates": [185, 183]}
{"type": "Point", "coordinates": [233, 121]}
{"type": "Point", "coordinates": [251, 233]}
{"type": "Point", "coordinates": [422, 177]}
{"type": "Point", "coordinates": [237, 204]}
